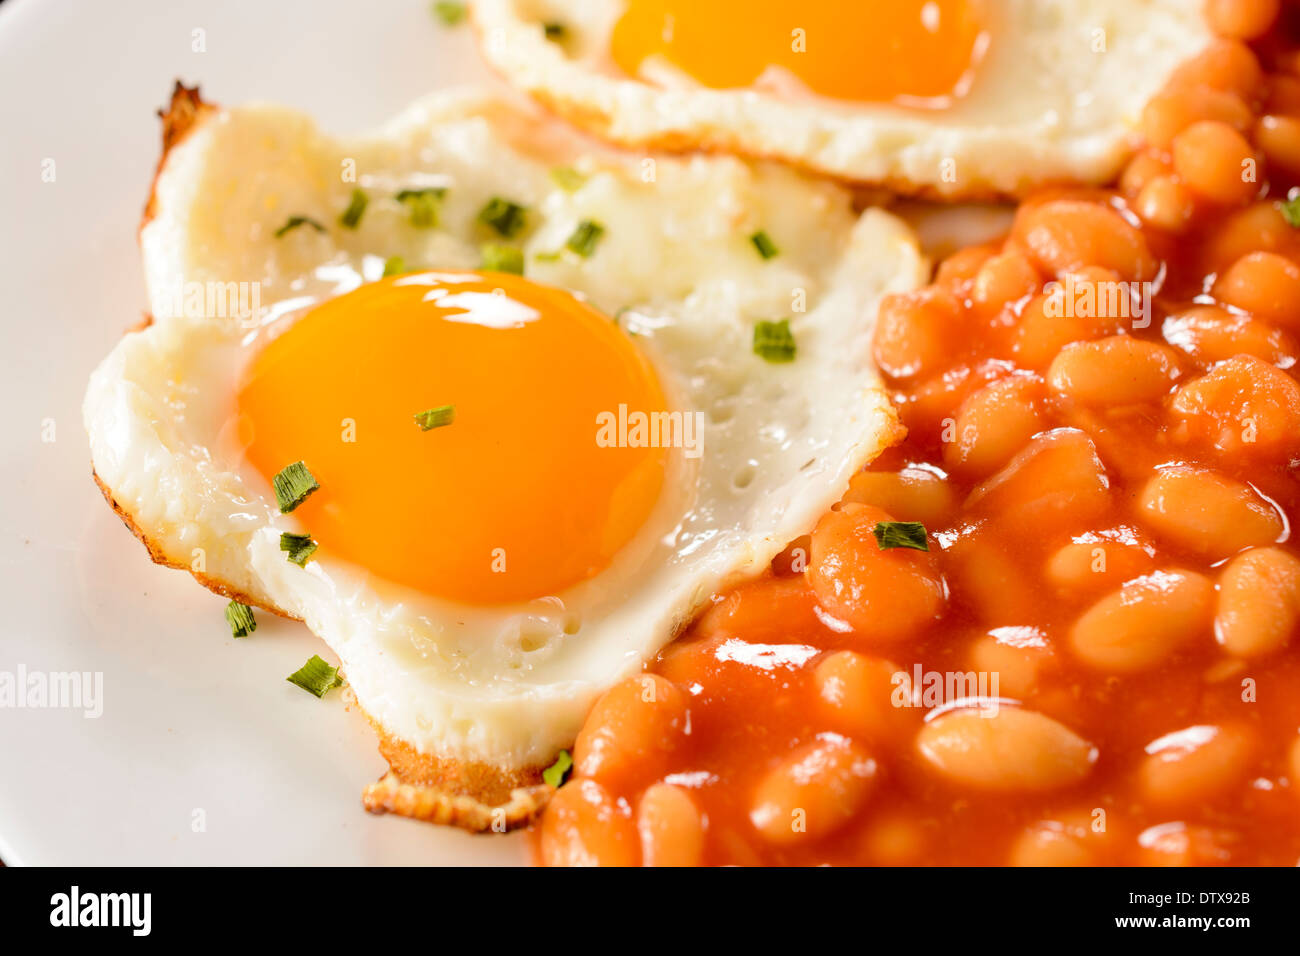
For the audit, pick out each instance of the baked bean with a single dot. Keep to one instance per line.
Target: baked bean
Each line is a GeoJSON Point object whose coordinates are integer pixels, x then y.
{"type": "Point", "coordinates": [1259, 226]}
{"type": "Point", "coordinates": [1206, 513]}
{"type": "Point", "coordinates": [584, 826]}
{"type": "Point", "coordinates": [763, 609]}
{"type": "Point", "coordinates": [958, 271]}
{"type": "Point", "coordinates": [1019, 656]}
{"type": "Point", "coordinates": [633, 724]}
{"type": "Point", "coordinates": [1167, 204]}
{"type": "Point", "coordinates": [866, 697]}
{"type": "Point", "coordinates": [1015, 750]}
{"type": "Point", "coordinates": [1169, 113]}
{"type": "Point", "coordinates": [671, 827]}
{"type": "Point", "coordinates": [1120, 370]}
{"type": "Point", "coordinates": [914, 493]}
{"type": "Point", "coordinates": [914, 333]}
{"type": "Point", "coordinates": [1050, 844]}
{"type": "Point", "coordinates": [989, 579]}
{"type": "Point", "coordinates": [1241, 19]}
{"type": "Point", "coordinates": [994, 423]}
{"type": "Point", "coordinates": [1279, 139]}
{"type": "Point", "coordinates": [1141, 169]}
{"type": "Point", "coordinates": [813, 791]}
{"type": "Point", "coordinates": [1091, 562]}
{"type": "Point", "coordinates": [1143, 622]}
{"type": "Point", "coordinates": [1293, 764]}
{"type": "Point", "coordinates": [883, 595]}
{"type": "Point", "coordinates": [1210, 334]}
{"type": "Point", "coordinates": [1224, 65]}
{"type": "Point", "coordinates": [1196, 764]}
{"type": "Point", "coordinates": [1216, 162]}
{"type": "Point", "coordinates": [1264, 284]}
{"type": "Point", "coordinates": [1002, 279]}
{"type": "Point", "coordinates": [895, 839]}
{"type": "Point", "coordinates": [1058, 480]}
{"type": "Point", "coordinates": [1048, 324]}
{"type": "Point", "coordinates": [1242, 406]}
{"type": "Point", "coordinates": [1178, 844]}
{"type": "Point", "coordinates": [1066, 234]}
{"type": "Point", "coordinates": [1259, 602]}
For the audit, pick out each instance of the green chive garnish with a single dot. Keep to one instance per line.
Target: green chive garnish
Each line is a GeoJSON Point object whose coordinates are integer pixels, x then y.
{"type": "Point", "coordinates": [293, 222]}
{"type": "Point", "coordinates": [448, 12]}
{"type": "Point", "coordinates": [299, 547]}
{"type": "Point", "coordinates": [764, 244]}
{"type": "Point", "coordinates": [584, 238]}
{"type": "Point", "coordinates": [1290, 209]}
{"type": "Point", "coordinates": [555, 31]}
{"type": "Point", "coordinates": [351, 217]}
{"type": "Point", "coordinates": [498, 257]}
{"type": "Point", "coordinates": [240, 618]}
{"type": "Point", "coordinates": [423, 204]}
{"type": "Point", "coordinates": [394, 266]}
{"type": "Point", "coordinates": [316, 677]}
{"type": "Point", "coordinates": [506, 217]}
{"type": "Point", "coordinates": [435, 417]}
{"type": "Point", "coordinates": [774, 341]}
{"type": "Point", "coordinates": [568, 178]}
{"type": "Point", "coordinates": [901, 534]}
{"type": "Point", "coordinates": [556, 772]}
{"type": "Point", "coordinates": [292, 486]}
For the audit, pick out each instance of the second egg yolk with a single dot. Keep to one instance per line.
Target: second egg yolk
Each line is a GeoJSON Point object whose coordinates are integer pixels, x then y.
{"type": "Point", "coordinates": [516, 498]}
{"type": "Point", "coordinates": [867, 50]}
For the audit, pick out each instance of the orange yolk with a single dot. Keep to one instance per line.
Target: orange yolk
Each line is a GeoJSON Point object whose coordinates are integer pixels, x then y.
{"type": "Point", "coordinates": [876, 50]}
{"type": "Point", "coordinates": [514, 500]}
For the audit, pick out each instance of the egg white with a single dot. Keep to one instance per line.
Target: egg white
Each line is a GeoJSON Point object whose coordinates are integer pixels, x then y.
{"type": "Point", "coordinates": [1054, 99]}
{"type": "Point", "coordinates": [506, 686]}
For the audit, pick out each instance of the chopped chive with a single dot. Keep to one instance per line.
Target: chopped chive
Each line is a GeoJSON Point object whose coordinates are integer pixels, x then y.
{"type": "Point", "coordinates": [568, 178]}
{"type": "Point", "coordinates": [901, 534]}
{"type": "Point", "coordinates": [435, 417]}
{"type": "Point", "coordinates": [498, 257]}
{"type": "Point", "coordinates": [774, 342]}
{"type": "Point", "coordinates": [584, 238]}
{"type": "Point", "coordinates": [423, 204]}
{"type": "Point", "coordinates": [240, 618]}
{"type": "Point", "coordinates": [351, 217]}
{"type": "Point", "coordinates": [553, 256]}
{"type": "Point", "coordinates": [299, 547]}
{"type": "Point", "coordinates": [292, 486]}
{"type": "Point", "coordinates": [293, 222]}
{"type": "Point", "coordinates": [316, 677]}
{"type": "Point", "coordinates": [764, 244]}
{"type": "Point", "coordinates": [506, 217]}
{"type": "Point", "coordinates": [1290, 209]}
{"type": "Point", "coordinates": [394, 266]}
{"type": "Point", "coordinates": [556, 772]}
{"type": "Point", "coordinates": [449, 12]}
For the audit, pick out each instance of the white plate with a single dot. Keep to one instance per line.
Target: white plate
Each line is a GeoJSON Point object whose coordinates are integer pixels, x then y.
{"type": "Point", "coordinates": [195, 726]}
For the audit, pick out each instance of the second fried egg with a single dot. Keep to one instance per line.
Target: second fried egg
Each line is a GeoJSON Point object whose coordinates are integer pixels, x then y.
{"type": "Point", "coordinates": [953, 98]}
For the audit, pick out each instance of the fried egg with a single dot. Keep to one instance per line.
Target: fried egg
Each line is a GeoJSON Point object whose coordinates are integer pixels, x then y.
{"type": "Point", "coordinates": [953, 98]}
{"type": "Point", "coordinates": [550, 401]}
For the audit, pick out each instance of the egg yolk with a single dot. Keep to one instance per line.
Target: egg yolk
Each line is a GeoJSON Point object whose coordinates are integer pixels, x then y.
{"type": "Point", "coordinates": [518, 497]}
{"type": "Point", "coordinates": [873, 50]}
